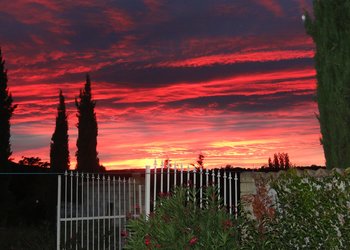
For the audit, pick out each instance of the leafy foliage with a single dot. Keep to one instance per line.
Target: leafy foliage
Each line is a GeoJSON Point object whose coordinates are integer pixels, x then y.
{"type": "Point", "coordinates": [180, 224]}
{"type": "Point", "coordinates": [307, 213]}
{"type": "Point", "coordinates": [330, 30]}
{"type": "Point", "coordinates": [310, 213]}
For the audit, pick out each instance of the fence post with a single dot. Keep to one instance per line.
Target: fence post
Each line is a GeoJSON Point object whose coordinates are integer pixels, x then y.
{"type": "Point", "coordinates": [236, 195]}
{"type": "Point", "coordinates": [58, 233]}
{"type": "Point", "coordinates": [147, 191]}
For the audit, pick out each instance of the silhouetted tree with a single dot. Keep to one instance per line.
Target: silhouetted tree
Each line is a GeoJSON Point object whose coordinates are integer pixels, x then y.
{"type": "Point", "coordinates": [59, 151]}
{"type": "Point", "coordinates": [6, 111]}
{"type": "Point", "coordinates": [270, 165]}
{"type": "Point", "coordinates": [286, 161]}
{"type": "Point", "coordinates": [276, 161]}
{"type": "Point", "coordinates": [330, 30]}
{"type": "Point", "coordinates": [280, 161]}
{"type": "Point", "coordinates": [33, 162]}
{"type": "Point", "coordinates": [200, 160]}
{"type": "Point", "coordinates": [86, 154]}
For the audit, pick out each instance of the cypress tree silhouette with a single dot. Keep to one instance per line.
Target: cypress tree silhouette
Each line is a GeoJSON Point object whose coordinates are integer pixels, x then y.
{"type": "Point", "coordinates": [6, 111]}
{"type": "Point", "coordinates": [276, 162]}
{"type": "Point", "coordinates": [59, 152]}
{"type": "Point", "coordinates": [87, 160]}
{"type": "Point", "coordinates": [330, 30]}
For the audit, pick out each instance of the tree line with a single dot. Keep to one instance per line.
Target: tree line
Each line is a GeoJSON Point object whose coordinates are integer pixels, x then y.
{"type": "Point", "coordinates": [86, 154]}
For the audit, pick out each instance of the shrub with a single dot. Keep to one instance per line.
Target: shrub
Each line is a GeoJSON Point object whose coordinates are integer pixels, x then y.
{"type": "Point", "coordinates": [180, 224]}
{"type": "Point", "coordinates": [311, 213]}
{"type": "Point", "coordinates": [308, 213]}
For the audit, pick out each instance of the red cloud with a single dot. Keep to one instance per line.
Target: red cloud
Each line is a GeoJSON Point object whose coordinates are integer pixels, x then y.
{"type": "Point", "coordinates": [272, 6]}
{"type": "Point", "coordinates": [119, 20]}
{"type": "Point", "coordinates": [255, 56]}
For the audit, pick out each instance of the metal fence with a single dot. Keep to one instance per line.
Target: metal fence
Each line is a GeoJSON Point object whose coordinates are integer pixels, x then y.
{"type": "Point", "coordinates": [163, 179]}
{"type": "Point", "coordinates": [93, 209]}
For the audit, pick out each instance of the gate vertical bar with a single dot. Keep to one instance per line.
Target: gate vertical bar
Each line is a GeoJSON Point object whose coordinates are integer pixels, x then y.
{"type": "Point", "coordinates": [201, 187]}
{"type": "Point", "coordinates": [104, 210]}
{"type": "Point", "coordinates": [175, 176]}
{"type": "Point", "coordinates": [188, 182]}
{"type": "Point", "coordinates": [181, 175]}
{"type": "Point", "coordinates": [230, 188]}
{"type": "Point", "coordinates": [124, 201]}
{"type": "Point", "coordinates": [58, 235]}
{"type": "Point", "coordinates": [82, 210]}
{"type": "Point", "coordinates": [109, 211]}
{"type": "Point", "coordinates": [168, 178]}
{"type": "Point", "coordinates": [194, 187]}
{"type": "Point", "coordinates": [76, 209]}
{"type": "Point", "coordinates": [140, 199]}
{"type": "Point", "coordinates": [161, 176]}
{"type": "Point", "coordinates": [225, 183]}
{"type": "Point", "coordinates": [129, 195]}
{"type": "Point", "coordinates": [207, 177]}
{"type": "Point", "coordinates": [134, 205]}
{"type": "Point", "coordinates": [207, 183]}
{"type": "Point", "coordinates": [219, 175]}
{"type": "Point", "coordinates": [213, 177]}
{"type": "Point", "coordinates": [147, 191]}
{"type": "Point", "coordinates": [87, 211]}
{"type": "Point", "coordinates": [65, 206]}
{"type": "Point", "coordinates": [155, 185]}
{"type": "Point", "coordinates": [71, 206]}
{"type": "Point", "coordinates": [236, 195]}
{"type": "Point", "coordinates": [114, 213]}
{"type": "Point", "coordinates": [119, 210]}
{"type": "Point", "coordinates": [93, 211]}
{"type": "Point", "coordinates": [98, 211]}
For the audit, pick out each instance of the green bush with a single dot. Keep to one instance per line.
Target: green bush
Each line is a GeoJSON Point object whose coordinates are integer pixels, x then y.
{"type": "Point", "coordinates": [181, 224]}
{"type": "Point", "coordinates": [308, 213]}
{"type": "Point", "coordinates": [311, 213]}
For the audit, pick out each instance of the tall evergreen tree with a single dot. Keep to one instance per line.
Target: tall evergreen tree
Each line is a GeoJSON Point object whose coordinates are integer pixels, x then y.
{"type": "Point", "coordinates": [276, 162]}
{"type": "Point", "coordinates": [86, 154]}
{"type": "Point", "coordinates": [6, 111]}
{"type": "Point", "coordinates": [59, 151]}
{"type": "Point", "coordinates": [330, 30]}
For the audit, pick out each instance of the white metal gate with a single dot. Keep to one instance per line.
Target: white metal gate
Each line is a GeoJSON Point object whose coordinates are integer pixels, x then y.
{"type": "Point", "coordinates": [93, 209]}
{"type": "Point", "coordinates": [161, 180]}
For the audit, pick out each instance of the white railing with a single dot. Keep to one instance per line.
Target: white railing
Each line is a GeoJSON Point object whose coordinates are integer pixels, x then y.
{"type": "Point", "coordinates": [165, 178]}
{"type": "Point", "coordinates": [92, 210]}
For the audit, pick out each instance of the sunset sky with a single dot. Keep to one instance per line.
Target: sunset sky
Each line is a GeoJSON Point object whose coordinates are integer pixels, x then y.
{"type": "Point", "coordinates": [231, 79]}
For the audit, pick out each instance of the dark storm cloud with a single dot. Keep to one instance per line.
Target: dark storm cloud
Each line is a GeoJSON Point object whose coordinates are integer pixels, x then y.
{"type": "Point", "coordinates": [247, 103]}
{"type": "Point", "coordinates": [228, 103]}
{"type": "Point", "coordinates": [155, 77]}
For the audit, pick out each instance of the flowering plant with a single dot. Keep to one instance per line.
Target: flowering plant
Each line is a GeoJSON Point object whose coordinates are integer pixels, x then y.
{"type": "Point", "coordinates": [179, 223]}
{"type": "Point", "coordinates": [310, 213]}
